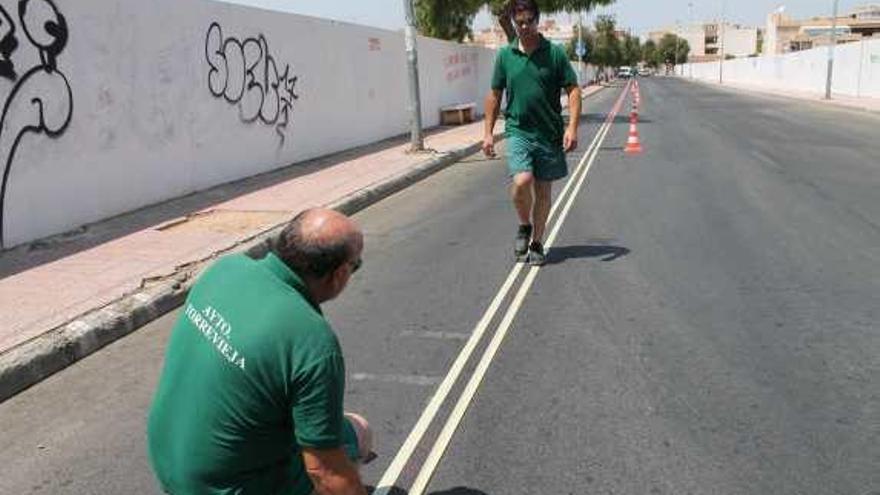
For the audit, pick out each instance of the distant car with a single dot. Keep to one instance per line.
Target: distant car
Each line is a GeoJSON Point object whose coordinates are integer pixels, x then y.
{"type": "Point", "coordinates": [645, 72]}
{"type": "Point", "coordinates": [624, 72]}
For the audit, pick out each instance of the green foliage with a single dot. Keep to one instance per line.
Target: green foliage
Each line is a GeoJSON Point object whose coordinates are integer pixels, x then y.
{"type": "Point", "coordinates": [631, 50]}
{"type": "Point", "coordinates": [589, 44]}
{"type": "Point", "coordinates": [649, 54]}
{"type": "Point", "coordinates": [446, 19]}
{"type": "Point", "coordinates": [672, 50]}
{"type": "Point", "coordinates": [607, 51]}
{"type": "Point", "coordinates": [453, 19]}
{"type": "Point", "coordinates": [499, 7]}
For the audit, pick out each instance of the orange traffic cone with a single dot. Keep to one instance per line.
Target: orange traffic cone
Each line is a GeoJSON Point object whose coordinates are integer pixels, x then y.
{"type": "Point", "coordinates": [633, 146]}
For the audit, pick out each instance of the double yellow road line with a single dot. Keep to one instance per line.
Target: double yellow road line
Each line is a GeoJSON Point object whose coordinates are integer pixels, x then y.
{"type": "Point", "coordinates": [564, 201]}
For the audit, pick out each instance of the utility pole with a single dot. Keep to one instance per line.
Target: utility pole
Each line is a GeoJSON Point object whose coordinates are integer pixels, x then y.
{"type": "Point", "coordinates": [677, 45]}
{"type": "Point", "coordinates": [693, 25]}
{"type": "Point", "coordinates": [417, 143]}
{"type": "Point", "coordinates": [721, 62]}
{"type": "Point", "coordinates": [579, 45]}
{"type": "Point", "coordinates": [831, 48]}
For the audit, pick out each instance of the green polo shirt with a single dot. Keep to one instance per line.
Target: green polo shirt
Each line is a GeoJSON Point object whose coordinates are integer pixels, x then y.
{"type": "Point", "coordinates": [252, 373]}
{"type": "Point", "coordinates": [534, 83]}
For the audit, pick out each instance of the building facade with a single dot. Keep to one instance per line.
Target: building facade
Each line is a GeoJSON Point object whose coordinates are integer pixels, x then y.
{"type": "Point", "coordinates": [707, 41]}
{"type": "Point", "coordinates": [785, 35]}
{"type": "Point", "coordinates": [494, 36]}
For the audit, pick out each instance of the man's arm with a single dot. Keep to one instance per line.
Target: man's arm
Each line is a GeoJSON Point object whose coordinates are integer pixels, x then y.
{"type": "Point", "coordinates": [570, 140]}
{"type": "Point", "coordinates": [332, 473]}
{"type": "Point", "coordinates": [492, 105]}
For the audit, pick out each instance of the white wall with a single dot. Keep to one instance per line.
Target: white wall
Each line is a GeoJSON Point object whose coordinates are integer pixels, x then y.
{"type": "Point", "coordinates": [130, 118]}
{"type": "Point", "coordinates": [856, 70]}
{"type": "Point", "coordinates": [739, 41]}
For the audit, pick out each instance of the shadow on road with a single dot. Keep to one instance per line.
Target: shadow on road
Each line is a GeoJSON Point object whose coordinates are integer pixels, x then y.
{"type": "Point", "coordinates": [561, 254]}
{"type": "Point", "coordinates": [459, 490]}
{"type": "Point", "coordinates": [599, 118]}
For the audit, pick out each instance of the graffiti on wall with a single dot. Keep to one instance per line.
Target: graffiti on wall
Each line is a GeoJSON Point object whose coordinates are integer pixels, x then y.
{"type": "Point", "coordinates": [460, 65]}
{"type": "Point", "coordinates": [39, 100]}
{"type": "Point", "coordinates": [245, 74]}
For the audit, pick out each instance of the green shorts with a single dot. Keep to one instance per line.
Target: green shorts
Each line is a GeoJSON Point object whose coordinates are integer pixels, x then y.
{"type": "Point", "coordinates": [546, 161]}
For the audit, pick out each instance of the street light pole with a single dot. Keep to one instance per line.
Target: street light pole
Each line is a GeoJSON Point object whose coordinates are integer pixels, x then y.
{"type": "Point", "coordinates": [831, 51]}
{"type": "Point", "coordinates": [693, 25]}
{"type": "Point", "coordinates": [721, 61]}
{"type": "Point", "coordinates": [678, 44]}
{"type": "Point", "coordinates": [578, 44]}
{"type": "Point", "coordinates": [412, 62]}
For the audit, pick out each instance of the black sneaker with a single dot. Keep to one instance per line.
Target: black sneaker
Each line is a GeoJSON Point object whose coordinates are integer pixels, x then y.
{"type": "Point", "coordinates": [536, 254]}
{"type": "Point", "coordinates": [521, 244]}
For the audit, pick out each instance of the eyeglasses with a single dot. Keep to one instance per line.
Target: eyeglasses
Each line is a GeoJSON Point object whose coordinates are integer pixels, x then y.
{"type": "Point", "coordinates": [525, 21]}
{"type": "Point", "coordinates": [356, 265]}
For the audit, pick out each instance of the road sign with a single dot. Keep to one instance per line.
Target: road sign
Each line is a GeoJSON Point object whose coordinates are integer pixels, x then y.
{"type": "Point", "coordinates": [580, 49]}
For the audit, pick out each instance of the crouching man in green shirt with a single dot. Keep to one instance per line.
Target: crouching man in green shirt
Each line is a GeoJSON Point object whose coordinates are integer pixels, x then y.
{"type": "Point", "coordinates": [250, 398]}
{"type": "Point", "coordinates": [533, 71]}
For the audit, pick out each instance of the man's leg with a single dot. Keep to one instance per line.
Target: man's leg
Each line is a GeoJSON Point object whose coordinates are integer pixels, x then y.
{"type": "Point", "coordinates": [536, 256]}
{"type": "Point", "coordinates": [523, 201]}
{"type": "Point", "coordinates": [521, 192]}
{"type": "Point", "coordinates": [543, 193]}
{"type": "Point", "coordinates": [551, 166]}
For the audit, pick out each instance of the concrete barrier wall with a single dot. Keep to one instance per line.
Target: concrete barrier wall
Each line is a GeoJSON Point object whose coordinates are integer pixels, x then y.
{"type": "Point", "coordinates": [110, 106]}
{"type": "Point", "coordinates": [856, 70]}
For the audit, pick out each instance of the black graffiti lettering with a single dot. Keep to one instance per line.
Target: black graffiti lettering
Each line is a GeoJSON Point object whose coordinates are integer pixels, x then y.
{"type": "Point", "coordinates": [41, 101]}
{"type": "Point", "coordinates": [45, 27]}
{"type": "Point", "coordinates": [271, 101]}
{"type": "Point", "coordinates": [8, 44]}
{"type": "Point", "coordinates": [245, 74]}
{"type": "Point", "coordinates": [252, 98]}
{"type": "Point", "coordinates": [218, 76]}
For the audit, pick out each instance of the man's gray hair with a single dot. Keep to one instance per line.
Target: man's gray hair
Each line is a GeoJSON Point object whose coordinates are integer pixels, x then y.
{"type": "Point", "coordinates": [310, 254]}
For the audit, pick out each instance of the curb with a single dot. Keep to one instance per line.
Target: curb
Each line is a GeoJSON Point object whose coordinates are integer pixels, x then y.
{"type": "Point", "coordinates": [39, 358]}
{"type": "Point", "coordinates": [789, 97]}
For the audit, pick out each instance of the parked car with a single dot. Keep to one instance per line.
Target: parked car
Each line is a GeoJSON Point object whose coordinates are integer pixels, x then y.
{"type": "Point", "coordinates": [624, 72]}
{"type": "Point", "coordinates": [645, 72]}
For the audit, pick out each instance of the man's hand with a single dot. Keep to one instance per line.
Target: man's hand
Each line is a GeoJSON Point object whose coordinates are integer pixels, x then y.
{"type": "Point", "coordinates": [331, 472]}
{"type": "Point", "coordinates": [570, 140]}
{"type": "Point", "coordinates": [489, 146]}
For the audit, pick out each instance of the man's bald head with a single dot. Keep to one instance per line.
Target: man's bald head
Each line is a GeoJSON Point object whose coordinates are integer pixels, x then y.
{"type": "Point", "coordinates": [319, 241]}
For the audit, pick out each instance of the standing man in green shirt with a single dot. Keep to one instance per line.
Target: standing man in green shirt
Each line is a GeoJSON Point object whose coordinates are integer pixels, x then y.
{"type": "Point", "coordinates": [533, 71]}
{"type": "Point", "coordinates": [250, 397]}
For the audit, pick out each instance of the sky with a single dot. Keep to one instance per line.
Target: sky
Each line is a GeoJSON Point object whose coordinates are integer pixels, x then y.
{"type": "Point", "coordinates": [639, 15]}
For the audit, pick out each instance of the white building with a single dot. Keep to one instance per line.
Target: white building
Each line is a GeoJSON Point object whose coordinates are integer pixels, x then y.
{"type": "Point", "coordinates": [785, 34]}
{"type": "Point", "coordinates": [708, 40]}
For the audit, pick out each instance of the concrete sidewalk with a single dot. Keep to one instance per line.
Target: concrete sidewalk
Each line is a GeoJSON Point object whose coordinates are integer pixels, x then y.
{"type": "Point", "coordinates": [65, 297]}
{"type": "Point", "coordinates": [865, 104]}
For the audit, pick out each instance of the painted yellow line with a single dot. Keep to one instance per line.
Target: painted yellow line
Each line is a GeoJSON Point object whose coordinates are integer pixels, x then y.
{"type": "Point", "coordinates": [392, 473]}
{"type": "Point", "coordinates": [439, 448]}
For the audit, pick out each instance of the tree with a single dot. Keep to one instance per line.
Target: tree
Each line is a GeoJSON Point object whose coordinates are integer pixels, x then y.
{"type": "Point", "coordinates": [649, 54]}
{"type": "Point", "coordinates": [588, 41]}
{"type": "Point", "coordinates": [446, 19]}
{"type": "Point", "coordinates": [452, 19]}
{"type": "Point", "coordinates": [673, 50]}
{"type": "Point", "coordinates": [631, 50]}
{"type": "Point", "coordinates": [607, 50]}
{"type": "Point", "coordinates": [500, 9]}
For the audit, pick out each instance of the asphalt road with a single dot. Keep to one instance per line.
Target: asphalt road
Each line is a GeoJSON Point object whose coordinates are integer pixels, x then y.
{"type": "Point", "coordinates": [708, 323]}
